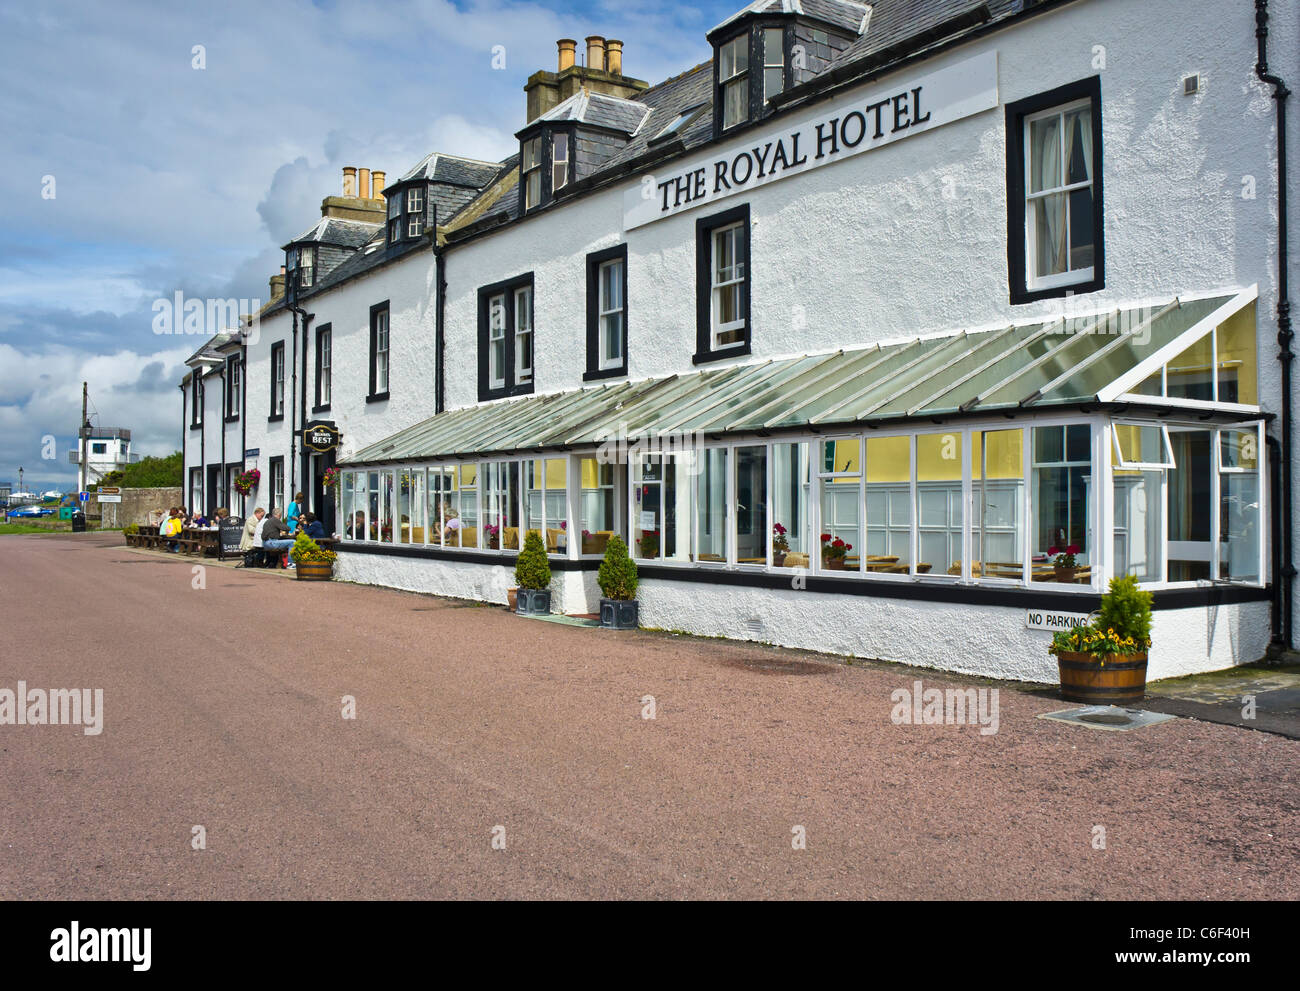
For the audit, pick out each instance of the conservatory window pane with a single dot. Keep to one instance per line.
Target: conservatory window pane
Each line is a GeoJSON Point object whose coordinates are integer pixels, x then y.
{"type": "Point", "coordinates": [648, 507]}
{"type": "Point", "coordinates": [1238, 370]}
{"type": "Point", "coordinates": [711, 497]}
{"type": "Point", "coordinates": [1141, 444]}
{"type": "Point", "coordinates": [752, 527]}
{"type": "Point", "coordinates": [347, 486]}
{"type": "Point", "coordinates": [790, 501]}
{"type": "Point", "coordinates": [466, 533]}
{"type": "Point", "coordinates": [998, 491]}
{"type": "Point", "coordinates": [888, 545]}
{"type": "Point", "coordinates": [386, 506]}
{"type": "Point", "coordinates": [437, 492]}
{"type": "Point", "coordinates": [938, 502]}
{"type": "Point", "coordinates": [405, 491]}
{"type": "Point", "coordinates": [1191, 374]}
{"type": "Point", "coordinates": [1061, 504]}
{"type": "Point", "coordinates": [840, 495]}
{"type": "Point", "coordinates": [1189, 506]}
{"type": "Point", "coordinates": [596, 505]}
{"type": "Point", "coordinates": [1239, 506]}
{"type": "Point", "coordinates": [1137, 526]}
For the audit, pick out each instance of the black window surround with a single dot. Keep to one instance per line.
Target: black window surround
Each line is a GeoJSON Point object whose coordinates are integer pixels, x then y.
{"type": "Point", "coordinates": [196, 401]}
{"type": "Point", "coordinates": [594, 262]}
{"type": "Point", "coordinates": [295, 267]}
{"type": "Point", "coordinates": [277, 349]}
{"type": "Point", "coordinates": [506, 288]}
{"type": "Point", "coordinates": [398, 221]}
{"type": "Point", "coordinates": [231, 386]}
{"type": "Point", "coordinates": [271, 494]}
{"type": "Point", "coordinates": [756, 105]}
{"type": "Point", "coordinates": [546, 164]}
{"type": "Point", "coordinates": [375, 311]}
{"type": "Point", "coordinates": [323, 331]}
{"type": "Point", "coordinates": [704, 228]}
{"type": "Point", "coordinates": [1016, 242]}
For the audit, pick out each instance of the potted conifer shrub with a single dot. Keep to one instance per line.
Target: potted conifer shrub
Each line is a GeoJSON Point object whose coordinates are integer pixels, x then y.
{"type": "Point", "coordinates": [1106, 663]}
{"type": "Point", "coordinates": [312, 562]}
{"type": "Point", "coordinates": [617, 579]}
{"type": "Point", "coordinates": [533, 576]}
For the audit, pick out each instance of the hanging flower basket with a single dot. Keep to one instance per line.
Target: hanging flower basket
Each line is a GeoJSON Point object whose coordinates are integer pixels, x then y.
{"type": "Point", "coordinates": [331, 477]}
{"type": "Point", "coordinates": [246, 481]}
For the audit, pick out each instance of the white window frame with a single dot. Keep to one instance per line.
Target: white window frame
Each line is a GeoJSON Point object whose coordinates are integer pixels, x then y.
{"type": "Point", "coordinates": [769, 64]}
{"type": "Point", "coordinates": [232, 387]}
{"type": "Point", "coordinates": [381, 352]}
{"type": "Point", "coordinates": [739, 78]}
{"type": "Point", "coordinates": [1033, 281]}
{"type": "Point", "coordinates": [717, 286]}
{"type": "Point", "coordinates": [306, 261]}
{"type": "Point", "coordinates": [326, 374]}
{"type": "Point", "coordinates": [605, 311]}
{"type": "Point", "coordinates": [522, 331]}
{"type": "Point", "coordinates": [559, 164]}
{"type": "Point", "coordinates": [1121, 462]}
{"type": "Point", "coordinates": [530, 164]}
{"type": "Point", "coordinates": [277, 379]}
{"type": "Point", "coordinates": [497, 335]}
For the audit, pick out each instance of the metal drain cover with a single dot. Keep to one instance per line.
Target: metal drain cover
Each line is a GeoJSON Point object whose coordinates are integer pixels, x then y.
{"type": "Point", "coordinates": [1108, 717]}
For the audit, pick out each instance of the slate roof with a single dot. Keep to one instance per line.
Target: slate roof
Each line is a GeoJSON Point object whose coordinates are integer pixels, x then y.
{"type": "Point", "coordinates": [894, 23]}
{"type": "Point", "coordinates": [344, 233]}
{"type": "Point", "coordinates": [453, 169]}
{"type": "Point", "coordinates": [841, 13]}
{"type": "Point", "coordinates": [213, 350]}
{"type": "Point", "coordinates": [599, 110]}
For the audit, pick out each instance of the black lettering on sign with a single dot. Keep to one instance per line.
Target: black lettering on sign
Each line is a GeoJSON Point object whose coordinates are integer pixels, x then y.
{"type": "Point", "coordinates": [720, 176]}
{"type": "Point", "coordinates": [861, 122]}
{"type": "Point", "coordinates": [831, 138]}
{"type": "Point", "coordinates": [735, 168]}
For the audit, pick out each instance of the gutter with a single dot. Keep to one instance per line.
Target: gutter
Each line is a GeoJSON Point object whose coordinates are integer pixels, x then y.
{"type": "Point", "coordinates": [439, 333]}
{"type": "Point", "coordinates": [1285, 335]}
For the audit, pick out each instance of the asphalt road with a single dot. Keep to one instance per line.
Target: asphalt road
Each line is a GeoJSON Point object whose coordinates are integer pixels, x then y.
{"type": "Point", "coordinates": [223, 709]}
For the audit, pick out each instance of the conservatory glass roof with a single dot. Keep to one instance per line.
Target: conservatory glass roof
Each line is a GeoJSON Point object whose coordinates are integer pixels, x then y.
{"type": "Point", "coordinates": [1062, 362]}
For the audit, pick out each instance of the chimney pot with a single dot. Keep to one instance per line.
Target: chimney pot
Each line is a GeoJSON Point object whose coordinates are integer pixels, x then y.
{"type": "Point", "coordinates": [377, 178]}
{"type": "Point", "coordinates": [363, 183]}
{"type": "Point", "coordinates": [595, 52]}
{"type": "Point", "coordinates": [614, 57]}
{"type": "Point", "coordinates": [349, 180]}
{"type": "Point", "coordinates": [567, 47]}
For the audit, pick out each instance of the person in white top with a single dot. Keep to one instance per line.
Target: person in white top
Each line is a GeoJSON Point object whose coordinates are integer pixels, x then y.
{"type": "Point", "coordinates": [257, 532]}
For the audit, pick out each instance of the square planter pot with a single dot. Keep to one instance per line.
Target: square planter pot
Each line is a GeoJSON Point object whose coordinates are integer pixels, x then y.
{"type": "Point", "coordinates": [533, 601]}
{"type": "Point", "coordinates": [617, 614]}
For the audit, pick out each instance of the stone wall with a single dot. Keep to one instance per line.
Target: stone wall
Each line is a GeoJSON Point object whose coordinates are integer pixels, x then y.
{"type": "Point", "coordinates": [134, 507]}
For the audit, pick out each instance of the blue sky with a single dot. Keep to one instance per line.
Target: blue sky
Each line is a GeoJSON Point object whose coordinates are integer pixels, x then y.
{"type": "Point", "coordinates": [169, 177]}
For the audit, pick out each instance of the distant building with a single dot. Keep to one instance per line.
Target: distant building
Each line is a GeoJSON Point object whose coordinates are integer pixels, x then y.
{"type": "Point", "coordinates": [107, 449]}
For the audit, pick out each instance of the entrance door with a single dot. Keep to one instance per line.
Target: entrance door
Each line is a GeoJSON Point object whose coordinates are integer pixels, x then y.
{"type": "Point", "coordinates": [213, 490]}
{"type": "Point", "coordinates": [322, 499]}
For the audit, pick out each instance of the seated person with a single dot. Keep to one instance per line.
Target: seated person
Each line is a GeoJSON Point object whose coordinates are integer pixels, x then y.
{"type": "Point", "coordinates": [275, 539]}
{"type": "Point", "coordinates": [356, 526]}
{"type": "Point", "coordinates": [311, 526]}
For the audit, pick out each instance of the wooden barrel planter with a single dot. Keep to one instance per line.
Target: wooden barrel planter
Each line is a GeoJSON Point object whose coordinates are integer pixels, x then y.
{"type": "Point", "coordinates": [1122, 681]}
{"type": "Point", "coordinates": [314, 571]}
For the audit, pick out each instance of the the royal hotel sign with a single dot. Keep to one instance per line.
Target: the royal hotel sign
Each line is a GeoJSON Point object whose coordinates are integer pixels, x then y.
{"type": "Point", "coordinates": [837, 131]}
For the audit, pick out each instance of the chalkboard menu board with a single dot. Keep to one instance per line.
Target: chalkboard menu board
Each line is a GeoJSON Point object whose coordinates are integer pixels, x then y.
{"type": "Point", "coordinates": [231, 532]}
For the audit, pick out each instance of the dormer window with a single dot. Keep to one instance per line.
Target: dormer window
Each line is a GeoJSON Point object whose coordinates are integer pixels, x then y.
{"type": "Point", "coordinates": [733, 81]}
{"type": "Point", "coordinates": [303, 262]}
{"type": "Point", "coordinates": [773, 62]}
{"type": "Point", "coordinates": [530, 167]}
{"type": "Point", "coordinates": [414, 212]}
{"type": "Point", "coordinates": [394, 218]}
{"type": "Point", "coordinates": [559, 160]}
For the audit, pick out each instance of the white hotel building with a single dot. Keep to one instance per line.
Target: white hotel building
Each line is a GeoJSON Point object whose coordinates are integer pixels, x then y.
{"type": "Point", "coordinates": [955, 282]}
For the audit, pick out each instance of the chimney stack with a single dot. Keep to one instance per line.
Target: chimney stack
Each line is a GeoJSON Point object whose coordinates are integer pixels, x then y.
{"type": "Point", "coordinates": [277, 284]}
{"type": "Point", "coordinates": [614, 57]}
{"type": "Point", "coordinates": [377, 183]}
{"type": "Point", "coordinates": [363, 183]}
{"type": "Point", "coordinates": [349, 180]}
{"type": "Point", "coordinates": [567, 48]}
{"type": "Point", "coordinates": [596, 52]}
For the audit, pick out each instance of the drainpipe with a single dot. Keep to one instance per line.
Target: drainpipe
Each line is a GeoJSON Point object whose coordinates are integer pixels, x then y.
{"type": "Point", "coordinates": [1284, 333]}
{"type": "Point", "coordinates": [243, 421]}
{"type": "Point", "coordinates": [1276, 522]}
{"type": "Point", "coordinates": [439, 342]}
{"type": "Point", "coordinates": [225, 405]}
{"type": "Point", "coordinates": [297, 312]}
{"type": "Point", "coordinates": [203, 438]}
{"type": "Point", "coordinates": [185, 432]}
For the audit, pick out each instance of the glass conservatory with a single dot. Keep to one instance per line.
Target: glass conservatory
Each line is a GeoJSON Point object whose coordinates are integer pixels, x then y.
{"type": "Point", "coordinates": [1048, 455]}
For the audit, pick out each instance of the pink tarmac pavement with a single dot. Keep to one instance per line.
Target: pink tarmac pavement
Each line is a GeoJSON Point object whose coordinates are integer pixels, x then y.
{"type": "Point", "coordinates": [223, 709]}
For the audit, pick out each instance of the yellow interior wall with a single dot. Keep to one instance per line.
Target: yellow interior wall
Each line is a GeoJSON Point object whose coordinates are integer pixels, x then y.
{"type": "Point", "coordinates": [931, 465]}
{"type": "Point", "coordinates": [889, 459]}
{"type": "Point", "coordinates": [1237, 344]}
{"type": "Point", "coordinates": [1006, 450]}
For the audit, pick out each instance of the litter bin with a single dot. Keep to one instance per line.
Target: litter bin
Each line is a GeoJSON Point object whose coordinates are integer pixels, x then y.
{"type": "Point", "coordinates": [78, 522]}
